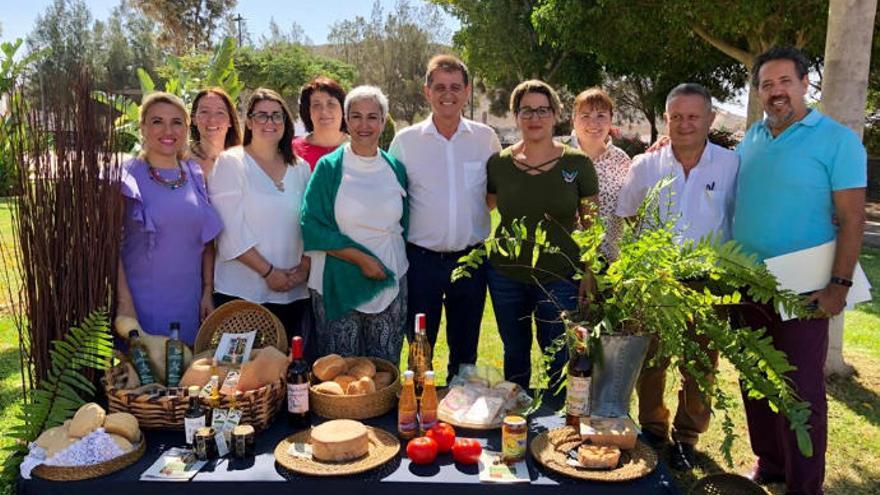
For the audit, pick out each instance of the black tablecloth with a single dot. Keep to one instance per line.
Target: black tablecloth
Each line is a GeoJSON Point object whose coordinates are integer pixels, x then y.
{"type": "Point", "coordinates": [262, 475]}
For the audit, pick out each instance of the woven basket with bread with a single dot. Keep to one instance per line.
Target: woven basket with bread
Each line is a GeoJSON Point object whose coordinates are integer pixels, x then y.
{"type": "Point", "coordinates": [353, 387]}
{"type": "Point", "coordinates": [261, 387]}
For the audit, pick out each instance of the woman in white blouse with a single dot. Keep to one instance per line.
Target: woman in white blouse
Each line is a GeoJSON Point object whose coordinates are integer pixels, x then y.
{"type": "Point", "coordinates": [354, 221]}
{"type": "Point", "coordinates": [257, 188]}
{"type": "Point", "coordinates": [592, 115]}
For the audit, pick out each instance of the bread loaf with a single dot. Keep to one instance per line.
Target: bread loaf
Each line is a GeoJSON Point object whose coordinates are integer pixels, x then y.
{"type": "Point", "coordinates": [362, 367]}
{"type": "Point", "coordinates": [329, 388]}
{"type": "Point", "coordinates": [328, 367]}
{"type": "Point", "coordinates": [339, 440]}
{"type": "Point", "coordinates": [55, 440]}
{"type": "Point", "coordinates": [199, 372]}
{"type": "Point", "coordinates": [360, 387]}
{"type": "Point", "coordinates": [124, 425]}
{"type": "Point", "coordinates": [344, 381]}
{"type": "Point", "coordinates": [266, 366]}
{"type": "Point", "coordinates": [122, 442]}
{"type": "Point", "coordinates": [383, 379]}
{"type": "Point", "coordinates": [87, 419]}
{"type": "Point", "coordinates": [598, 456]}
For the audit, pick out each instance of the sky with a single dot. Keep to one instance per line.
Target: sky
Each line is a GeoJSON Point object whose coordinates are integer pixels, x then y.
{"type": "Point", "coordinates": [314, 16]}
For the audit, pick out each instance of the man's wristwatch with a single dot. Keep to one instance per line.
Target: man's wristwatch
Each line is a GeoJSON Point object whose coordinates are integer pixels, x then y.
{"type": "Point", "coordinates": [841, 281]}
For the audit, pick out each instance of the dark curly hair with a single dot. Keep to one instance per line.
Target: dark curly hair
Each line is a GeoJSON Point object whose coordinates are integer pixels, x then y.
{"type": "Point", "coordinates": [801, 63]}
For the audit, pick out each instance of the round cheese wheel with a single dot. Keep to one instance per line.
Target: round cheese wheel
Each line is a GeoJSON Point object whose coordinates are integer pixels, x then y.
{"type": "Point", "coordinates": [339, 440]}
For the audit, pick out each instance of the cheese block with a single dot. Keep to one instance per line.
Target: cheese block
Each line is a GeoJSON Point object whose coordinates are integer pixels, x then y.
{"type": "Point", "coordinates": [617, 432]}
{"type": "Point", "coordinates": [87, 419]}
{"type": "Point", "coordinates": [339, 440]}
{"type": "Point", "coordinates": [598, 456]}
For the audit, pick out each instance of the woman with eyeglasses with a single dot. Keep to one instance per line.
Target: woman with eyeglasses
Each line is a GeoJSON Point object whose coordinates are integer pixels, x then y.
{"type": "Point", "coordinates": [257, 188]}
{"type": "Point", "coordinates": [168, 224]}
{"type": "Point", "coordinates": [214, 127]}
{"type": "Point", "coordinates": [320, 108]}
{"type": "Point", "coordinates": [537, 180]}
{"type": "Point", "coordinates": [354, 222]}
{"type": "Point", "coordinates": [591, 119]}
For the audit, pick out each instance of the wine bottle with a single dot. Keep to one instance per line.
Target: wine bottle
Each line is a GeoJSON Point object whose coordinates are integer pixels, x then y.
{"type": "Point", "coordinates": [140, 358]}
{"type": "Point", "coordinates": [173, 356]}
{"type": "Point", "coordinates": [420, 355]}
{"type": "Point", "coordinates": [195, 416]}
{"type": "Point", "coordinates": [580, 372]}
{"type": "Point", "coordinates": [298, 414]}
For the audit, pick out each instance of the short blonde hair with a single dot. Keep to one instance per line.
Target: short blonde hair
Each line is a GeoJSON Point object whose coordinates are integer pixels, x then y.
{"type": "Point", "coordinates": [534, 86]}
{"type": "Point", "coordinates": [154, 98]}
{"type": "Point", "coordinates": [594, 99]}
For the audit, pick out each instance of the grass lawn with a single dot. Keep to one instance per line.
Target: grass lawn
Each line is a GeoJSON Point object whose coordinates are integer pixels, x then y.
{"type": "Point", "coordinates": [853, 460]}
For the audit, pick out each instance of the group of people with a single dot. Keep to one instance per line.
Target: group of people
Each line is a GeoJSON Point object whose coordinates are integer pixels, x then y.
{"type": "Point", "coordinates": [346, 242]}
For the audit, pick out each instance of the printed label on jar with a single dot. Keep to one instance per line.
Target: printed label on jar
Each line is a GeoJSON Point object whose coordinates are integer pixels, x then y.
{"type": "Point", "coordinates": [190, 425]}
{"type": "Point", "coordinates": [577, 400]}
{"type": "Point", "coordinates": [298, 397]}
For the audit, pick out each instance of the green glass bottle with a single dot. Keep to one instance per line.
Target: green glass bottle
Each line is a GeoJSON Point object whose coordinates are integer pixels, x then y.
{"type": "Point", "coordinates": [173, 356]}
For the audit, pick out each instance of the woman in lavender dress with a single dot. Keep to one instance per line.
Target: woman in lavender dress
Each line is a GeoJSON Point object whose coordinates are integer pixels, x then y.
{"type": "Point", "coordinates": [168, 222]}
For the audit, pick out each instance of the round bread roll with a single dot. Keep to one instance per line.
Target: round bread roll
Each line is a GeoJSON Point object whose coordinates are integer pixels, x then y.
{"type": "Point", "coordinates": [123, 443]}
{"type": "Point", "coordinates": [362, 367]}
{"type": "Point", "coordinates": [328, 367]}
{"type": "Point", "coordinates": [362, 386]}
{"type": "Point", "coordinates": [349, 361]}
{"type": "Point", "coordinates": [344, 381]}
{"type": "Point", "coordinates": [199, 372]}
{"type": "Point", "coordinates": [329, 388]}
{"type": "Point", "coordinates": [55, 440]}
{"type": "Point", "coordinates": [87, 419]}
{"type": "Point", "coordinates": [383, 379]}
{"type": "Point", "coordinates": [124, 425]}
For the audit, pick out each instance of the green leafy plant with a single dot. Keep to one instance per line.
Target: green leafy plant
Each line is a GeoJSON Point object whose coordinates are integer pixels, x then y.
{"type": "Point", "coordinates": [675, 291]}
{"type": "Point", "coordinates": [56, 399]}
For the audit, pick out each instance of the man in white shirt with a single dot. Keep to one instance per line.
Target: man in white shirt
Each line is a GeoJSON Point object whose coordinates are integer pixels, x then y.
{"type": "Point", "coordinates": [701, 198]}
{"type": "Point", "coordinates": [445, 157]}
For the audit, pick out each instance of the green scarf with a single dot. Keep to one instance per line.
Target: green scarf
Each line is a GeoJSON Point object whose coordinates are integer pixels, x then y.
{"type": "Point", "coordinates": [345, 287]}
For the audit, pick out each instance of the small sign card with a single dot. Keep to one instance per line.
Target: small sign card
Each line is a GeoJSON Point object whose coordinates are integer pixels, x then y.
{"type": "Point", "coordinates": [175, 464]}
{"type": "Point", "coordinates": [238, 345]}
{"type": "Point", "coordinates": [494, 470]}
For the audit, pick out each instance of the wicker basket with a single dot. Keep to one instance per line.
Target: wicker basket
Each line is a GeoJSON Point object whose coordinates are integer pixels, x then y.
{"type": "Point", "coordinates": [76, 473]}
{"type": "Point", "coordinates": [166, 409]}
{"type": "Point", "coordinates": [358, 406]}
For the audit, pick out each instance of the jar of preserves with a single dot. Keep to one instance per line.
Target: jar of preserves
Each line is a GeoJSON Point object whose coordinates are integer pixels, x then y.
{"type": "Point", "coordinates": [513, 439]}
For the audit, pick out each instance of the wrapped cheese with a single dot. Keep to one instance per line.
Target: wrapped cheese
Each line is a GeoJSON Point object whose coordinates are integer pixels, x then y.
{"type": "Point", "coordinates": [617, 432]}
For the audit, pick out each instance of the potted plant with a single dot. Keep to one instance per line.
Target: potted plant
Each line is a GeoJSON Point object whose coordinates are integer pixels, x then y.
{"type": "Point", "coordinates": [659, 287]}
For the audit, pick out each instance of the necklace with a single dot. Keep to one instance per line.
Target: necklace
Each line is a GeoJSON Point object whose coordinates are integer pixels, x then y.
{"type": "Point", "coordinates": [170, 184]}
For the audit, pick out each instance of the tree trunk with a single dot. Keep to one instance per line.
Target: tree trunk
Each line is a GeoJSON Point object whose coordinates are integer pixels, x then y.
{"type": "Point", "coordinates": [844, 90]}
{"type": "Point", "coordinates": [754, 109]}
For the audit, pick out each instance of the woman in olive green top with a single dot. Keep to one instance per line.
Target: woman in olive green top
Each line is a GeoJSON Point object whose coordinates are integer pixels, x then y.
{"type": "Point", "coordinates": [537, 179]}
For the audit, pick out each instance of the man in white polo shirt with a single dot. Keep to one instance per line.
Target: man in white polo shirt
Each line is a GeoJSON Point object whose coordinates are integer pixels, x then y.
{"type": "Point", "coordinates": [701, 197]}
{"type": "Point", "coordinates": [445, 158]}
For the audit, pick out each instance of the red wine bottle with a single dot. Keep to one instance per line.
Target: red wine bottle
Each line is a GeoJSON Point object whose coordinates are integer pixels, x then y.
{"type": "Point", "coordinates": [298, 414]}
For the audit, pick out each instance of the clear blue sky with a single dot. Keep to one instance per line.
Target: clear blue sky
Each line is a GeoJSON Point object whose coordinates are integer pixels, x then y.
{"type": "Point", "coordinates": [315, 16]}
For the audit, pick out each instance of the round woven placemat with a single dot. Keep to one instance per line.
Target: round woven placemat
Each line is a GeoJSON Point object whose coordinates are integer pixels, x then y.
{"type": "Point", "coordinates": [726, 484]}
{"type": "Point", "coordinates": [551, 449]}
{"type": "Point", "coordinates": [383, 447]}
{"type": "Point", "coordinates": [75, 473]}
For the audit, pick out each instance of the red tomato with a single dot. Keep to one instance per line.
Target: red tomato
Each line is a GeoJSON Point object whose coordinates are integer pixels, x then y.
{"type": "Point", "coordinates": [466, 451]}
{"type": "Point", "coordinates": [421, 450]}
{"type": "Point", "coordinates": [444, 435]}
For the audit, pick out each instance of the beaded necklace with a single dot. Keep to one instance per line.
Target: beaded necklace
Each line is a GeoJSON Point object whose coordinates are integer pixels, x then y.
{"type": "Point", "coordinates": [170, 184]}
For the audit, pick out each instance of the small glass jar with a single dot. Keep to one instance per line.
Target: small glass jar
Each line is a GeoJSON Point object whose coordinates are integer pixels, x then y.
{"type": "Point", "coordinates": [243, 441]}
{"type": "Point", "coordinates": [514, 435]}
{"type": "Point", "coordinates": [205, 444]}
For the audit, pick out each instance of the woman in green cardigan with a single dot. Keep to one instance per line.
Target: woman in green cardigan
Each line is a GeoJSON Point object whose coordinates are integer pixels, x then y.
{"type": "Point", "coordinates": [354, 221]}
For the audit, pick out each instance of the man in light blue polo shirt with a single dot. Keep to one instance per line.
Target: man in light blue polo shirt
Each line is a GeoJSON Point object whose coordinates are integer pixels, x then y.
{"type": "Point", "coordinates": [801, 183]}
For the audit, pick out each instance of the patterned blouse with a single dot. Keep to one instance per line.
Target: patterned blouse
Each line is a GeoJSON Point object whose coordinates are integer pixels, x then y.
{"type": "Point", "coordinates": [612, 168]}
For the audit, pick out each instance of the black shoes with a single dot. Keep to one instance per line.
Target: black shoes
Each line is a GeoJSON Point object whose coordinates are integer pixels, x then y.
{"type": "Point", "coordinates": [653, 439]}
{"type": "Point", "coordinates": [762, 478]}
{"type": "Point", "coordinates": [682, 456]}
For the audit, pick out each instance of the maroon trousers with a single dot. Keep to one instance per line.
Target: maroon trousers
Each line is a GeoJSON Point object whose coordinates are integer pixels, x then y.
{"type": "Point", "coordinates": [773, 442]}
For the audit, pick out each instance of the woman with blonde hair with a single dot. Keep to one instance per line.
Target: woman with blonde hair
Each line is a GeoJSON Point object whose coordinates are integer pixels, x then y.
{"type": "Point", "coordinates": [168, 223]}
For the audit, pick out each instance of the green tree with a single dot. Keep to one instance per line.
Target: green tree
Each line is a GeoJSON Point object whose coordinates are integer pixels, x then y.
{"type": "Point", "coordinates": [506, 49]}
{"type": "Point", "coordinates": [187, 25]}
{"type": "Point", "coordinates": [391, 51]}
{"type": "Point", "coordinates": [277, 36]}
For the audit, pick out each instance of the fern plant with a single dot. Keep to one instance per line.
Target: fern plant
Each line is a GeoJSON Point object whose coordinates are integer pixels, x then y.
{"type": "Point", "coordinates": [57, 398]}
{"type": "Point", "coordinates": [675, 290]}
